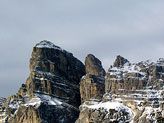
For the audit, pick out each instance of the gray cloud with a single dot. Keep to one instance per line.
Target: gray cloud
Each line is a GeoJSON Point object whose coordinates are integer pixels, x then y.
{"type": "Point", "coordinates": [105, 28]}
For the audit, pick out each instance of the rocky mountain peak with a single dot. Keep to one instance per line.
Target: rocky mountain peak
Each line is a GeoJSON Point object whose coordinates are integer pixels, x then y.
{"type": "Point", "coordinates": [51, 88]}
{"type": "Point", "coordinates": [92, 85]}
{"type": "Point", "coordinates": [54, 69]}
{"type": "Point", "coordinates": [93, 66]}
{"type": "Point", "coordinates": [48, 44]}
{"type": "Point", "coordinates": [120, 61]}
{"type": "Point", "coordinates": [48, 57]}
{"type": "Point", "coordinates": [58, 85]}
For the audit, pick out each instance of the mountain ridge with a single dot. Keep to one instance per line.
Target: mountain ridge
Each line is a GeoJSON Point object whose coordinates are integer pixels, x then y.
{"type": "Point", "coordinates": [61, 89]}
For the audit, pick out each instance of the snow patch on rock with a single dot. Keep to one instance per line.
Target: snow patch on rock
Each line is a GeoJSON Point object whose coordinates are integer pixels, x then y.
{"type": "Point", "coordinates": [41, 98]}
{"type": "Point", "coordinates": [47, 44]}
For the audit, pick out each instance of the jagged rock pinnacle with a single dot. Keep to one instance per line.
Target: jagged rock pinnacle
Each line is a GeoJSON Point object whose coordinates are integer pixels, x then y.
{"type": "Point", "coordinates": [120, 61]}
{"type": "Point", "coordinates": [93, 66]}
{"type": "Point", "coordinates": [92, 85]}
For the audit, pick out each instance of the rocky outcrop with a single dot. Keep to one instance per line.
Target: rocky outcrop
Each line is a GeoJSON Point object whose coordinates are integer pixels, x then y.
{"type": "Point", "coordinates": [104, 112]}
{"type": "Point", "coordinates": [2, 101]}
{"type": "Point", "coordinates": [93, 66]}
{"type": "Point", "coordinates": [51, 93]}
{"type": "Point", "coordinates": [140, 87]}
{"type": "Point", "coordinates": [26, 115]}
{"type": "Point", "coordinates": [134, 93]}
{"type": "Point", "coordinates": [120, 61]}
{"type": "Point", "coordinates": [92, 85]}
{"type": "Point", "coordinates": [45, 113]}
{"type": "Point", "coordinates": [131, 77]}
{"type": "Point", "coordinates": [2, 115]}
{"type": "Point", "coordinates": [55, 71]}
{"type": "Point", "coordinates": [128, 92]}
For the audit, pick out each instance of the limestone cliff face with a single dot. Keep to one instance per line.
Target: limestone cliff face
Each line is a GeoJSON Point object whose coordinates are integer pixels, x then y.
{"type": "Point", "coordinates": [104, 112]}
{"type": "Point", "coordinates": [45, 114]}
{"type": "Point", "coordinates": [60, 89]}
{"type": "Point", "coordinates": [93, 66]}
{"type": "Point", "coordinates": [131, 77]}
{"type": "Point", "coordinates": [55, 71]}
{"type": "Point", "coordinates": [26, 115]}
{"type": "Point", "coordinates": [47, 57]}
{"type": "Point", "coordinates": [92, 85]}
{"type": "Point", "coordinates": [134, 93]}
{"type": "Point", "coordinates": [51, 93]}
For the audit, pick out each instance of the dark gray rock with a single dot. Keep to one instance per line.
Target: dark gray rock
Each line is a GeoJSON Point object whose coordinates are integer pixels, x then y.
{"type": "Point", "coordinates": [120, 61]}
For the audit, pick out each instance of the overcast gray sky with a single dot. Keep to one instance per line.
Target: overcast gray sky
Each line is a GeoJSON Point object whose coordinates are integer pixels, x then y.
{"type": "Point", "coordinates": [106, 28]}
